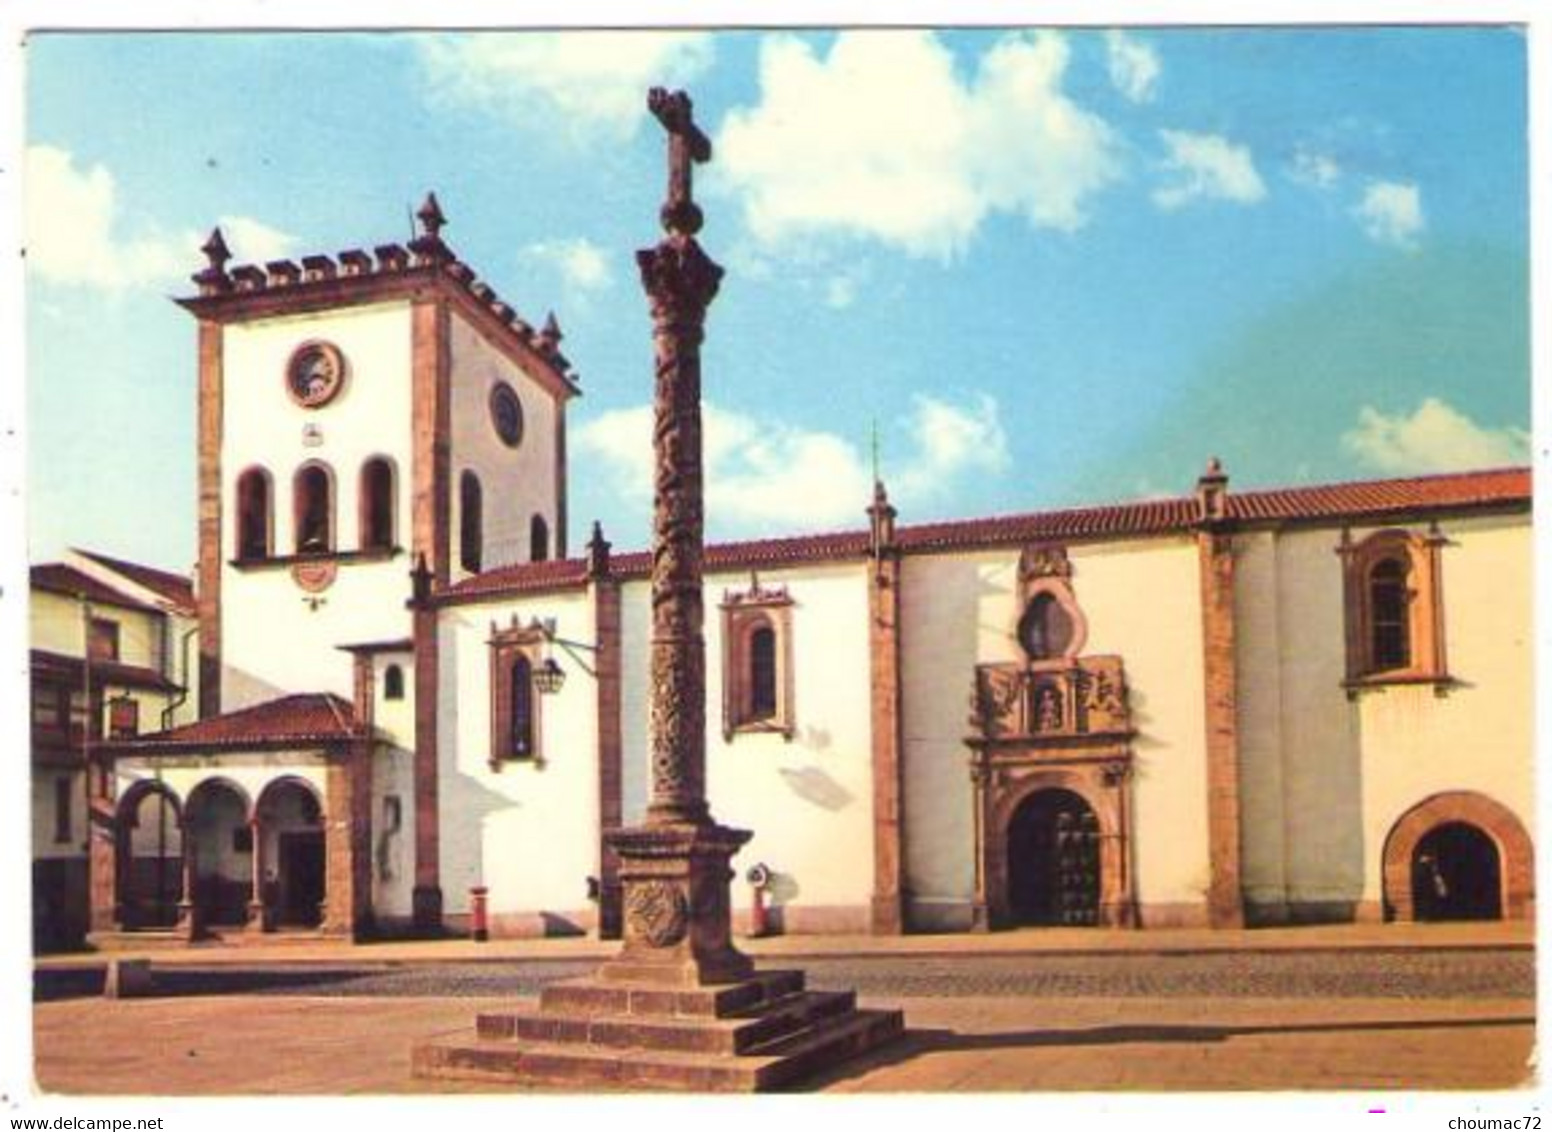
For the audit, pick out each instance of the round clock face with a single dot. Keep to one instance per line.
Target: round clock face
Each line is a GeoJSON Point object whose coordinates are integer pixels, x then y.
{"type": "Point", "coordinates": [506, 413]}
{"type": "Point", "coordinates": [315, 374]}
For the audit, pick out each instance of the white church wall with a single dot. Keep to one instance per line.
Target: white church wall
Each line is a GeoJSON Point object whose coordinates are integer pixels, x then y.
{"type": "Point", "coordinates": [1479, 735]}
{"type": "Point", "coordinates": [809, 800]}
{"type": "Point", "coordinates": [516, 483]}
{"type": "Point", "coordinates": [273, 640]}
{"type": "Point", "coordinates": [1258, 660]}
{"type": "Point", "coordinates": [1141, 600]}
{"type": "Point", "coordinates": [528, 830]}
{"type": "Point", "coordinates": [393, 792]}
{"type": "Point", "coordinates": [1325, 776]}
{"type": "Point", "coordinates": [1143, 603]}
{"type": "Point", "coordinates": [943, 636]}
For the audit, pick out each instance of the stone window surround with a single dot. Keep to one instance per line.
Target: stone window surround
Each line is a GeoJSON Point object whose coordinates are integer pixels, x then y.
{"type": "Point", "coordinates": [506, 645]}
{"type": "Point", "coordinates": [1045, 569]}
{"type": "Point", "coordinates": [743, 613]}
{"type": "Point", "coordinates": [1419, 555]}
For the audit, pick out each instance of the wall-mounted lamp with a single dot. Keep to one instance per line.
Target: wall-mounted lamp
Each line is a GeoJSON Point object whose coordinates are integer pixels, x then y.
{"type": "Point", "coordinates": [549, 677]}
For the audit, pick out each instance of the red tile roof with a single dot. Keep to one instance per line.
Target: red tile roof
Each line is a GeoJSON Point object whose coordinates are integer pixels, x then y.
{"type": "Point", "coordinates": [176, 589]}
{"type": "Point", "coordinates": [1502, 486]}
{"type": "Point", "coordinates": [105, 673]}
{"type": "Point", "coordinates": [305, 719]}
{"type": "Point", "coordinates": [1364, 500]}
{"type": "Point", "coordinates": [58, 578]}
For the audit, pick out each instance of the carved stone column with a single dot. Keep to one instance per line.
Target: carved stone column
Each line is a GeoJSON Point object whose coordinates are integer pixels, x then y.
{"type": "Point", "coordinates": [674, 869]}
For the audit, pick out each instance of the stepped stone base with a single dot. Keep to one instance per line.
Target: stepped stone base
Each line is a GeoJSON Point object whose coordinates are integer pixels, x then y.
{"type": "Point", "coordinates": [608, 1032]}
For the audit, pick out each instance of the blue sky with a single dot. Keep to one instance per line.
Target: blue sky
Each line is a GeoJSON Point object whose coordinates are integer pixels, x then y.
{"type": "Point", "coordinates": [1053, 267]}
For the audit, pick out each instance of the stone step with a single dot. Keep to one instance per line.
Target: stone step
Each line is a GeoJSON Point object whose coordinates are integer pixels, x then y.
{"type": "Point", "coordinates": [576, 1067]}
{"type": "Point", "coordinates": [756, 1026]}
{"type": "Point", "coordinates": [593, 996]}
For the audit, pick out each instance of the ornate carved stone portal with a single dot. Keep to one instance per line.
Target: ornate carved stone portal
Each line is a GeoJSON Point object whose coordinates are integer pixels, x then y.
{"type": "Point", "coordinates": [1050, 763]}
{"type": "Point", "coordinates": [680, 1007]}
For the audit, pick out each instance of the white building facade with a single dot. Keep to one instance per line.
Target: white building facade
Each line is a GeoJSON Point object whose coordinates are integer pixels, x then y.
{"type": "Point", "coordinates": [417, 713]}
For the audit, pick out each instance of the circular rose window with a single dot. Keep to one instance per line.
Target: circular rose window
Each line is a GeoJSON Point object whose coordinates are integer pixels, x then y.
{"type": "Point", "coordinates": [506, 413]}
{"type": "Point", "coordinates": [315, 374]}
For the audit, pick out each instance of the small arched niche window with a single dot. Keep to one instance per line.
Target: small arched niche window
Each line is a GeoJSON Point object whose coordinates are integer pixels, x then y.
{"type": "Point", "coordinates": [313, 507]}
{"type": "Point", "coordinates": [515, 733]}
{"type": "Point", "coordinates": [393, 682]}
{"type": "Point", "coordinates": [762, 673]}
{"type": "Point", "coordinates": [1389, 639]}
{"type": "Point", "coordinates": [1394, 612]}
{"type": "Point", "coordinates": [520, 730]}
{"type": "Point", "coordinates": [377, 500]}
{"type": "Point", "coordinates": [538, 539]}
{"type": "Point", "coordinates": [255, 515]}
{"type": "Point", "coordinates": [757, 676]}
{"type": "Point", "coordinates": [471, 529]}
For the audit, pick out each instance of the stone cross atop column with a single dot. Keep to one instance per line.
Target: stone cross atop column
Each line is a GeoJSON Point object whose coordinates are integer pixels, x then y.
{"type": "Point", "coordinates": [680, 281]}
{"type": "Point", "coordinates": [687, 146]}
{"type": "Point", "coordinates": [674, 868]}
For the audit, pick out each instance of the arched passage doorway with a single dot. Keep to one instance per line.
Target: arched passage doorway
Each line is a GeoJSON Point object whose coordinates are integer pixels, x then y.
{"type": "Point", "coordinates": [1053, 860]}
{"type": "Point", "coordinates": [150, 871]}
{"type": "Point", "coordinates": [1456, 875]}
{"type": "Point", "coordinates": [1459, 855]}
{"type": "Point", "coordinates": [221, 851]}
{"type": "Point", "coordinates": [290, 840]}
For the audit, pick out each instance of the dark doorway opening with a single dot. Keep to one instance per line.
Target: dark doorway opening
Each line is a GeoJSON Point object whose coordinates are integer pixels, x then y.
{"type": "Point", "coordinates": [301, 878]}
{"type": "Point", "coordinates": [1053, 861]}
{"type": "Point", "coordinates": [1456, 875]}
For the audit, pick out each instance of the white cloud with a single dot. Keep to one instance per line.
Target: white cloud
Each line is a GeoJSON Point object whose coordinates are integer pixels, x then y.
{"type": "Point", "coordinates": [583, 85]}
{"type": "Point", "coordinates": [880, 138]}
{"type": "Point", "coordinates": [1391, 212]}
{"type": "Point", "coordinates": [769, 474]}
{"type": "Point", "coordinates": [1315, 169]}
{"type": "Point", "coordinates": [582, 264]}
{"type": "Point", "coordinates": [1435, 438]}
{"type": "Point", "coordinates": [1134, 66]}
{"type": "Point", "coordinates": [75, 231]}
{"type": "Point", "coordinates": [250, 241]}
{"type": "Point", "coordinates": [1206, 167]}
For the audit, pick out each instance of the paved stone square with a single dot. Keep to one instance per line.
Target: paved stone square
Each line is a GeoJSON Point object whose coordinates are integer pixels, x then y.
{"type": "Point", "coordinates": [1423, 1019]}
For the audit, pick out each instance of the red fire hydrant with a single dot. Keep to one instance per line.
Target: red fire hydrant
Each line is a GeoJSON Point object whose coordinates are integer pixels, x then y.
{"type": "Point", "coordinates": [759, 877]}
{"type": "Point", "coordinates": [479, 913]}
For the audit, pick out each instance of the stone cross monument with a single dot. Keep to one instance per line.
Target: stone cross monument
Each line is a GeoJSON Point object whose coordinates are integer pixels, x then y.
{"type": "Point", "coordinates": [674, 869]}
{"type": "Point", "coordinates": [679, 1007]}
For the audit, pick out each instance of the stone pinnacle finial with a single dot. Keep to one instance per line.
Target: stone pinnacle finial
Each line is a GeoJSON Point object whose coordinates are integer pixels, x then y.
{"type": "Point", "coordinates": [1212, 489]}
{"type": "Point", "coordinates": [550, 334]}
{"type": "Point", "coordinates": [597, 552]}
{"type": "Point", "coordinates": [431, 219]}
{"type": "Point", "coordinates": [216, 251]}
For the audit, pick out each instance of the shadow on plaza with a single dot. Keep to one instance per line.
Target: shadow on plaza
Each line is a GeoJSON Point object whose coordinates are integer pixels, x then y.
{"type": "Point", "coordinates": [52, 985]}
{"type": "Point", "coordinates": [916, 1043]}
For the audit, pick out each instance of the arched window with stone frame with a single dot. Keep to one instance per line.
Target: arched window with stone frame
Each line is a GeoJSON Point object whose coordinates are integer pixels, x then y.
{"type": "Point", "coordinates": [471, 522]}
{"type": "Point", "coordinates": [1393, 608]}
{"type": "Point", "coordinates": [538, 539]}
{"type": "Point", "coordinates": [255, 515]}
{"type": "Point", "coordinates": [516, 705]}
{"type": "Point", "coordinates": [376, 504]}
{"type": "Point", "coordinates": [313, 509]}
{"type": "Point", "coordinates": [757, 672]}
